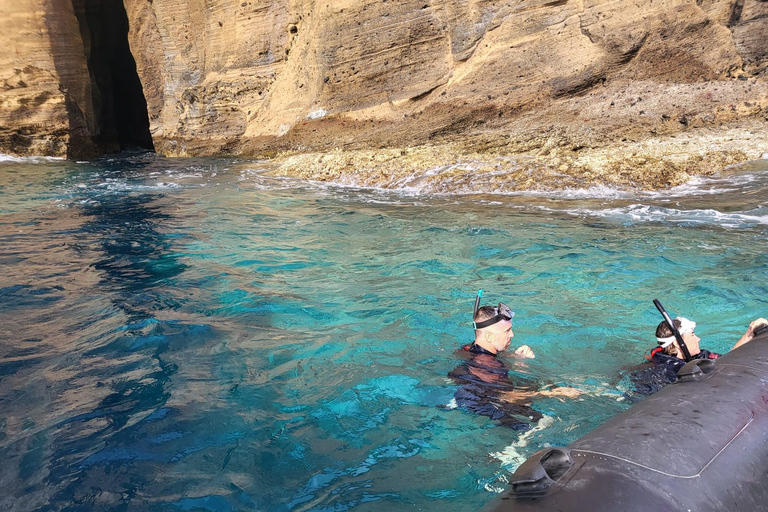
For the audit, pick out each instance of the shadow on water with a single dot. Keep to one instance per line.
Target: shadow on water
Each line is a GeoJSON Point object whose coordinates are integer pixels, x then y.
{"type": "Point", "coordinates": [102, 383]}
{"type": "Point", "coordinates": [136, 259]}
{"type": "Point", "coordinates": [136, 263]}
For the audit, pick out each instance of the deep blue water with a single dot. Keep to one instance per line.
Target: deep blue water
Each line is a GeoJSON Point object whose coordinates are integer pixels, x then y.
{"type": "Point", "coordinates": [185, 335]}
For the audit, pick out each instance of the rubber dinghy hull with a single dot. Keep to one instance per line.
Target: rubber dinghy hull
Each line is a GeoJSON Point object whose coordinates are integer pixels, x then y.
{"type": "Point", "coordinates": [700, 444]}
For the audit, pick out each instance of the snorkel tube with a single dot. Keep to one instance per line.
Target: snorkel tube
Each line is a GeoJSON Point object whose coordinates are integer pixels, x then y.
{"type": "Point", "coordinates": [477, 302]}
{"type": "Point", "coordinates": [671, 324]}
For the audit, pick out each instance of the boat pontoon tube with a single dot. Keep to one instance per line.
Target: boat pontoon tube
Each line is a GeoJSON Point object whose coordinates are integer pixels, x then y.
{"type": "Point", "coordinates": [700, 444]}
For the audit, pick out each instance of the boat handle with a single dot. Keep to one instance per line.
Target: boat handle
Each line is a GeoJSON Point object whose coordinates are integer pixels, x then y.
{"type": "Point", "coordinates": [540, 472]}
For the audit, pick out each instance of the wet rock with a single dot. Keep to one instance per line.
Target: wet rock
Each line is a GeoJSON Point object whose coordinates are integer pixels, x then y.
{"type": "Point", "coordinates": [654, 163]}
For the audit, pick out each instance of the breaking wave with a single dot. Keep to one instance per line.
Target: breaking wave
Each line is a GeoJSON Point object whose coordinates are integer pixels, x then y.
{"type": "Point", "coordinates": [27, 159]}
{"type": "Point", "coordinates": [635, 213]}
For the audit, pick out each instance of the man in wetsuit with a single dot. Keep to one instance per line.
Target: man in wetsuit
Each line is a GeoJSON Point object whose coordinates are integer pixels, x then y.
{"type": "Point", "coordinates": [667, 357]}
{"type": "Point", "coordinates": [485, 387]}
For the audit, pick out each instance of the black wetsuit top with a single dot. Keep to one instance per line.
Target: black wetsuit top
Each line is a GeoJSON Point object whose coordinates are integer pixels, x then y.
{"type": "Point", "coordinates": [482, 380]}
{"type": "Point", "coordinates": [650, 379]}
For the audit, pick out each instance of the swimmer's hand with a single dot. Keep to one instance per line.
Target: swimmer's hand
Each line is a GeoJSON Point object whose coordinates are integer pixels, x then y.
{"type": "Point", "coordinates": [561, 392]}
{"type": "Point", "coordinates": [747, 336]}
{"type": "Point", "coordinates": [754, 325]}
{"type": "Point", "coordinates": [525, 352]}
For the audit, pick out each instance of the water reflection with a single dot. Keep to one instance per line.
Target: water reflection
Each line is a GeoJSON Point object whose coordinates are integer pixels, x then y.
{"type": "Point", "coordinates": [84, 354]}
{"type": "Point", "coordinates": [136, 260]}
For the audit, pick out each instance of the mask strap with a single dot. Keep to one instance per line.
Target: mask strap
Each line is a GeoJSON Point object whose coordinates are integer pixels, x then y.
{"type": "Point", "coordinates": [490, 321]}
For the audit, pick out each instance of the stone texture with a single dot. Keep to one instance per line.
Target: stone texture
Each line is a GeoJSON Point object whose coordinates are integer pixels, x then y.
{"type": "Point", "coordinates": [526, 77]}
{"type": "Point", "coordinates": [216, 73]}
{"type": "Point", "coordinates": [652, 163]}
{"type": "Point", "coordinates": [44, 86]}
{"type": "Point", "coordinates": [258, 78]}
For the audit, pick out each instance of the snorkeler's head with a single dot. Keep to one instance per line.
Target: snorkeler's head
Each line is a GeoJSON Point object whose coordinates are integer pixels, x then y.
{"type": "Point", "coordinates": [489, 315]}
{"type": "Point", "coordinates": [666, 338]}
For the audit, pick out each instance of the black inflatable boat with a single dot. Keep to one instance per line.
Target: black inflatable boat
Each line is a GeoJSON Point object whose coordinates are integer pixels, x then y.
{"type": "Point", "coordinates": [699, 445]}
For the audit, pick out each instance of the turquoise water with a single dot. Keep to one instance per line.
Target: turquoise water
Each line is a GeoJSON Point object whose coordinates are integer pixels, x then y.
{"type": "Point", "coordinates": [192, 335]}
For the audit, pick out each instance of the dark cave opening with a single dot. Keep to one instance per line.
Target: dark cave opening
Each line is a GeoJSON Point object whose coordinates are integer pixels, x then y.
{"type": "Point", "coordinates": [118, 97]}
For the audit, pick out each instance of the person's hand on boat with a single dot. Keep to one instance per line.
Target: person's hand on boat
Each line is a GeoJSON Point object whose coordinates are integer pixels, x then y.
{"type": "Point", "coordinates": [750, 332]}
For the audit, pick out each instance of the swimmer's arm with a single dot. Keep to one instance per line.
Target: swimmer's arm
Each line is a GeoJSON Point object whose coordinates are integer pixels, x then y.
{"type": "Point", "coordinates": [750, 332]}
{"type": "Point", "coordinates": [522, 397]}
{"type": "Point", "coordinates": [518, 396]}
{"type": "Point", "coordinates": [560, 391]}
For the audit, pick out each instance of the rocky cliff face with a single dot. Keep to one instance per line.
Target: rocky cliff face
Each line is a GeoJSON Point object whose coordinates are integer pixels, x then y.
{"type": "Point", "coordinates": [37, 116]}
{"type": "Point", "coordinates": [66, 83]}
{"type": "Point", "coordinates": [261, 76]}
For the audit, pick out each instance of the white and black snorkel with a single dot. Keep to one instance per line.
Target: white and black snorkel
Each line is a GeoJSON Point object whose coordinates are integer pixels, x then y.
{"type": "Point", "coordinates": [675, 331]}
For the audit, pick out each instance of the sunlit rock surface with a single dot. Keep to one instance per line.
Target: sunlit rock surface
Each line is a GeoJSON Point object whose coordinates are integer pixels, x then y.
{"type": "Point", "coordinates": [45, 103]}
{"type": "Point", "coordinates": [550, 85]}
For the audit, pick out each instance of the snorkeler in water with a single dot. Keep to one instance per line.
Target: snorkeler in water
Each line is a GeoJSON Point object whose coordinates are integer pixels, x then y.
{"type": "Point", "coordinates": [677, 343]}
{"type": "Point", "coordinates": [485, 387]}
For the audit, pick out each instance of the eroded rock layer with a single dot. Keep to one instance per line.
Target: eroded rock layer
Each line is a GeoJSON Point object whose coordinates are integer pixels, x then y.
{"type": "Point", "coordinates": [560, 80]}
{"type": "Point", "coordinates": [68, 85]}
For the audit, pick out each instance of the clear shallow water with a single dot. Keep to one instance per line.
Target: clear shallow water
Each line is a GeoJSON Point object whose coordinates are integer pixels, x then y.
{"type": "Point", "coordinates": [191, 335]}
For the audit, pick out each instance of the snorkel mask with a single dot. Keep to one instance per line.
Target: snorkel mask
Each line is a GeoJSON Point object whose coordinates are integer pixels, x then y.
{"type": "Point", "coordinates": [503, 312]}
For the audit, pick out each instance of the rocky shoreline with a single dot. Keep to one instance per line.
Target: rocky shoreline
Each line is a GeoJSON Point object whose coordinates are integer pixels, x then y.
{"type": "Point", "coordinates": [650, 164]}
{"type": "Point", "coordinates": [635, 135]}
{"type": "Point", "coordinates": [436, 96]}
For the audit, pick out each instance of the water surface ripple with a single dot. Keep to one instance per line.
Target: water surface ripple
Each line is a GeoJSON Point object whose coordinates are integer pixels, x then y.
{"type": "Point", "coordinates": [193, 335]}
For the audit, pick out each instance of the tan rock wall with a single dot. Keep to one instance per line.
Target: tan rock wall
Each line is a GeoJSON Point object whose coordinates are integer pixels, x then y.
{"type": "Point", "coordinates": [45, 92]}
{"type": "Point", "coordinates": [205, 65]}
{"type": "Point", "coordinates": [253, 76]}
{"type": "Point", "coordinates": [750, 30]}
{"type": "Point", "coordinates": [220, 74]}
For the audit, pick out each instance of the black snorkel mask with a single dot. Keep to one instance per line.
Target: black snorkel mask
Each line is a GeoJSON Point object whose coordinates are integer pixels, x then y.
{"type": "Point", "coordinates": [503, 312]}
{"type": "Point", "coordinates": [675, 331]}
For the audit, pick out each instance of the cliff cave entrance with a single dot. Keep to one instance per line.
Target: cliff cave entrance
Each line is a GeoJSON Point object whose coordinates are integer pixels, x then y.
{"type": "Point", "coordinates": [121, 109]}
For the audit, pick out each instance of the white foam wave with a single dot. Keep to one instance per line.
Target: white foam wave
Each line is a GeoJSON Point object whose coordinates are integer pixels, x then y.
{"type": "Point", "coordinates": [635, 213]}
{"type": "Point", "coordinates": [705, 186]}
{"type": "Point", "coordinates": [440, 182]}
{"type": "Point", "coordinates": [596, 192]}
{"type": "Point", "coordinates": [514, 454]}
{"type": "Point", "coordinates": [695, 186]}
{"type": "Point", "coordinates": [630, 214]}
{"type": "Point", "coordinates": [122, 186]}
{"type": "Point", "coordinates": [28, 159]}
{"type": "Point", "coordinates": [178, 175]}
{"type": "Point", "coordinates": [611, 203]}
{"type": "Point", "coordinates": [114, 186]}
